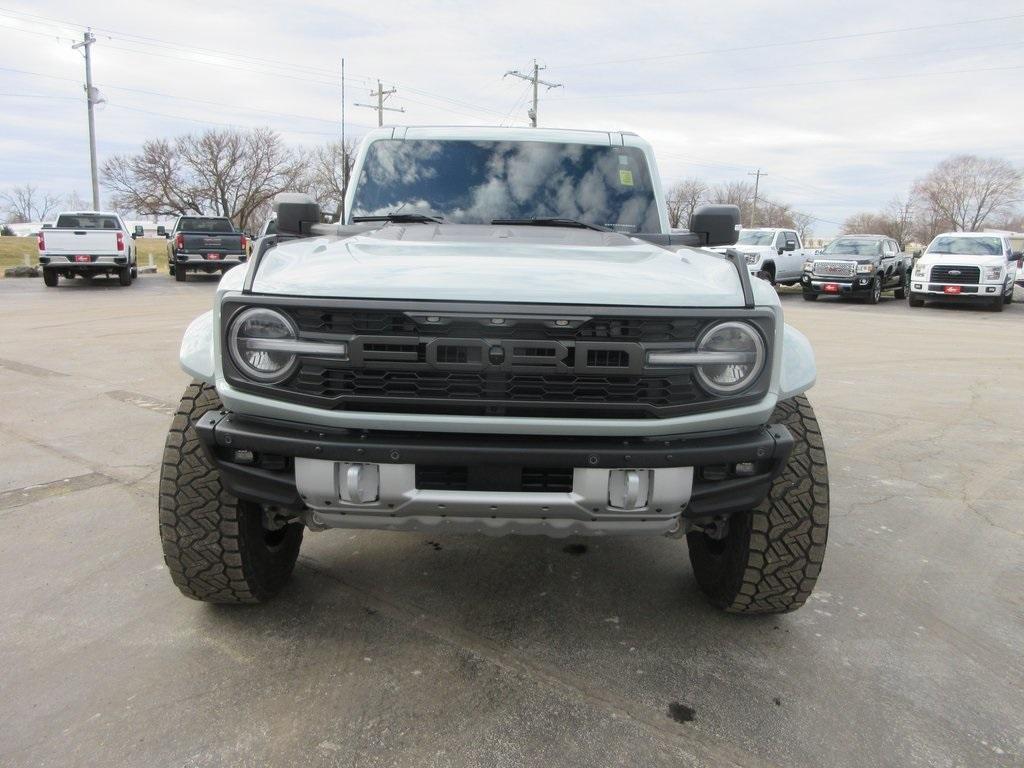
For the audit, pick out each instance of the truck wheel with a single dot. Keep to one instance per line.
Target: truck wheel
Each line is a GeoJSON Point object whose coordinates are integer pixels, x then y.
{"type": "Point", "coordinates": [808, 296]}
{"type": "Point", "coordinates": [50, 278]}
{"type": "Point", "coordinates": [124, 276]}
{"type": "Point", "coordinates": [1008, 297]}
{"type": "Point", "coordinates": [997, 304]}
{"type": "Point", "coordinates": [214, 544]}
{"type": "Point", "coordinates": [180, 275]}
{"type": "Point", "coordinates": [767, 275]}
{"type": "Point", "coordinates": [915, 302]}
{"type": "Point", "coordinates": [876, 292]}
{"type": "Point", "coordinates": [904, 287]}
{"type": "Point", "coordinates": [770, 557]}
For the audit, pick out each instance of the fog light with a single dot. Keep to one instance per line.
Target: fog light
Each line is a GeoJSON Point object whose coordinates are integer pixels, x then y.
{"type": "Point", "coordinates": [990, 290]}
{"type": "Point", "coordinates": [745, 469]}
{"type": "Point", "coordinates": [243, 457]}
{"type": "Point", "coordinates": [358, 483]}
{"type": "Point", "coordinates": [917, 286]}
{"type": "Point", "coordinates": [629, 488]}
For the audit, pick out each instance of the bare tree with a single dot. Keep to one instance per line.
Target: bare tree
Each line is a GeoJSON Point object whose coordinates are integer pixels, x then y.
{"type": "Point", "coordinates": [26, 203]}
{"type": "Point", "coordinates": [328, 172]}
{"type": "Point", "coordinates": [802, 223]}
{"type": "Point", "coordinates": [225, 173]}
{"type": "Point", "coordinates": [866, 224]}
{"type": "Point", "coordinates": [901, 213]}
{"type": "Point", "coordinates": [739, 193]}
{"type": "Point", "coordinates": [682, 200]}
{"type": "Point", "coordinates": [75, 202]}
{"type": "Point", "coordinates": [967, 190]}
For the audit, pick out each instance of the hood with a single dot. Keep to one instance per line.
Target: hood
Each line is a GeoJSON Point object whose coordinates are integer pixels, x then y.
{"type": "Point", "coordinates": [522, 264]}
{"type": "Point", "coordinates": [966, 259]}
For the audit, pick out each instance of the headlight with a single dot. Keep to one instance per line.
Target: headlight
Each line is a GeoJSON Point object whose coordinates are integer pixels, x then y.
{"type": "Point", "coordinates": [753, 258]}
{"type": "Point", "coordinates": [865, 269]}
{"type": "Point", "coordinates": [992, 274]}
{"type": "Point", "coordinates": [260, 342]}
{"type": "Point", "coordinates": [808, 266]}
{"type": "Point", "coordinates": [919, 270]}
{"type": "Point", "coordinates": [740, 347]}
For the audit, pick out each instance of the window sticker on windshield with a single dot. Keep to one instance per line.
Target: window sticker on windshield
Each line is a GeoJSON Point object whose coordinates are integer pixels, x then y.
{"type": "Point", "coordinates": [625, 177]}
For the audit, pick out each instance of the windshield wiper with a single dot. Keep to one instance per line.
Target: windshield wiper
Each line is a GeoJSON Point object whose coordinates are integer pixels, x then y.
{"type": "Point", "coordinates": [551, 222]}
{"type": "Point", "coordinates": [402, 218]}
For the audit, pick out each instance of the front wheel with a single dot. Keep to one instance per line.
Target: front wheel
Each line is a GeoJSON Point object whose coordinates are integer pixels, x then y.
{"type": "Point", "coordinates": [215, 545]}
{"type": "Point", "coordinates": [808, 296]}
{"type": "Point", "coordinates": [770, 557]}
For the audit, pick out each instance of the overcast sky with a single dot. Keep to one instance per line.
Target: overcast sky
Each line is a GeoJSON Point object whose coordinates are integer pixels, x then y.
{"type": "Point", "coordinates": [839, 125]}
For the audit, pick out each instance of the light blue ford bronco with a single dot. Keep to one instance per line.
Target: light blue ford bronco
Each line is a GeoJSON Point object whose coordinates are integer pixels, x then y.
{"type": "Point", "coordinates": [501, 336]}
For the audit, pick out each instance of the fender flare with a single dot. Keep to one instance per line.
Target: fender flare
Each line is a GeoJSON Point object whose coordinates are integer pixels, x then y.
{"type": "Point", "coordinates": [196, 354]}
{"type": "Point", "coordinates": [799, 370]}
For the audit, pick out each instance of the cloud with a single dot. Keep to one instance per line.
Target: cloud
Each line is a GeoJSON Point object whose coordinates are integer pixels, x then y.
{"type": "Point", "coordinates": [833, 123]}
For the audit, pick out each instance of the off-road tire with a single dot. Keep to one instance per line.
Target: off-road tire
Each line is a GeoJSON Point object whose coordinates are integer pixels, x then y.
{"type": "Point", "coordinates": [50, 278]}
{"type": "Point", "coordinates": [215, 545]}
{"type": "Point", "coordinates": [180, 274]}
{"type": "Point", "coordinates": [770, 557]}
{"type": "Point", "coordinates": [124, 276]}
{"type": "Point", "coordinates": [808, 296]}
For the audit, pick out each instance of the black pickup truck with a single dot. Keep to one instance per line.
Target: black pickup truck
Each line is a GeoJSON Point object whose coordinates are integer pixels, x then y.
{"type": "Point", "coordinates": [857, 265]}
{"type": "Point", "coordinates": [203, 244]}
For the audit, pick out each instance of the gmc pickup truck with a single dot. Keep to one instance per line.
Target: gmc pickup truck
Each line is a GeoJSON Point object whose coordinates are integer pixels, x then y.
{"type": "Point", "coordinates": [87, 244]}
{"type": "Point", "coordinates": [861, 266]}
{"type": "Point", "coordinates": [772, 254]}
{"type": "Point", "coordinates": [502, 337]}
{"type": "Point", "coordinates": [203, 244]}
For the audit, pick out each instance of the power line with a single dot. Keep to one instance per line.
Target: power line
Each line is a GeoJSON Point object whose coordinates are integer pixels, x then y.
{"type": "Point", "coordinates": [789, 43]}
{"type": "Point", "coordinates": [535, 80]}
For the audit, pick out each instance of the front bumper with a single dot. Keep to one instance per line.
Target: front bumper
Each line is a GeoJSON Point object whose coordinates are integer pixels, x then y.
{"type": "Point", "coordinates": [953, 292]}
{"type": "Point", "coordinates": [301, 468]}
{"type": "Point", "coordinates": [844, 286]}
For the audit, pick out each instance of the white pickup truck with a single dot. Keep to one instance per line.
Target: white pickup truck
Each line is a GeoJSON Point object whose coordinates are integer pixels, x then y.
{"type": "Point", "coordinates": [773, 254]}
{"type": "Point", "coordinates": [88, 243]}
{"type": "Point", "coordinates": [966, 267]}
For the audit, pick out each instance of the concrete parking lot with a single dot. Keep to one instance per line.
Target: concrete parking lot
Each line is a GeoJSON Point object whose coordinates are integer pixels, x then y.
{"type": "Point", "coordinates": [400, 649]}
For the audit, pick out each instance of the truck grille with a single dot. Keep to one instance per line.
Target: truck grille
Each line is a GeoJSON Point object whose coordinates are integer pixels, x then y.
{"type": "Point", "coordinates": [835, 268]}
{"type": "Point", "coordinates": [965, 275]}
{"type": "Point", "coordinates": [536, 361]}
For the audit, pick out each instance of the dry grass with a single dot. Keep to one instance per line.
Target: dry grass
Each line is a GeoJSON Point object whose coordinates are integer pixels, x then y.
{"type": "Point", "coordinates": [14, 250]}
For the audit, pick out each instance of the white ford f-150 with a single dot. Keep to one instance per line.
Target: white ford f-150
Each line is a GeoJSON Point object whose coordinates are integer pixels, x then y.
{"type": "Point", "coordinates": [501, 336]}
{"type": "Point", "coordinates": [967, 267]}
{"type": "Point", "coordinates": [88, 243]}
{"type": "Point", "coordinates": [772, 254]}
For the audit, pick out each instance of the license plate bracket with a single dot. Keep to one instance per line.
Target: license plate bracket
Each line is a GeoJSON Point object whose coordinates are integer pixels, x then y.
{"type": "Point", "coordinates": [82, 258]}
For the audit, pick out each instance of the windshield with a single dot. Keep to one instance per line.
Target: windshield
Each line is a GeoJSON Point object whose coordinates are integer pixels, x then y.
{"type": "Point", "coordinates": [475, 182]}
{"type": "Point", "coordinates": [974, 246]}
{"type": "Point", "coordinates": [852, 246]}
{"type": "Point", "coordinates": [86, 221]}
{"type": "Point", "coordinates": [203, 224]}
{"type": "Point", "coordinates": [756, 237]}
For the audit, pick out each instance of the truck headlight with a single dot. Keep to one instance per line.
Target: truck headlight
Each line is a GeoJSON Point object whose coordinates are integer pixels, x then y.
{"type": "Point", "coordinates": [919, 270]}
{"type": "Point", "coordinates": [992, 274]}
{"type": "Point", "coordinates": [808, 266]}
{"type": "Point", "coordinates": [260, 342]}
{"type": "Point", "coordinates": [753, 258]}
{"type": "Point", "coordinates": [865, 269]}
{"type": "Point", "coordinates": [741, 346]}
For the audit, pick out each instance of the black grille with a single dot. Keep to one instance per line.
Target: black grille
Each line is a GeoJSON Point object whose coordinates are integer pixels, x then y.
{"type": "Point", "coordinates": [528, 362]}
{"type": "Point", "coordinates": [382, 322]}
{"type": "Point", "coordinates": [486, 393]}
{"type": "Point", "coordinates": [965, 275]}
{"type": "Point", "coordinates": [489, 477]}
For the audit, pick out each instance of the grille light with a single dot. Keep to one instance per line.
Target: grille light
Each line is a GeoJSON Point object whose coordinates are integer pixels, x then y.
{"type": "Point", "coordinates": [741, 341]}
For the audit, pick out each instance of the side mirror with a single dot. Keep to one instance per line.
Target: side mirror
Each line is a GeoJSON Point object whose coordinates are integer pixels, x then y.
{"type": "Point", "coordinates": [296, 213]}
{"type": "Point", "coordinates": [1016, 255]}
{"type": "Point", "coordinates": [161, 231]}
{"type": "Point", "coordinates": [715, 224]}
{"type": "Point", "coordinates": [138, 231]}
{"type": "Point", "coordinates": [790, 245]}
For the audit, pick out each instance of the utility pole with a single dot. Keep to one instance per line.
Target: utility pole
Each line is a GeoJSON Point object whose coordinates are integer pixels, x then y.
{"type": "Point", "coordinates": [381, 95]}
{"type": "Point", "coordinates": [535, 79]}
{"type": "Point", "coordinates": [344, 149]}
{"type": "Point", "coordinates": [92, 98]}
{"type": "Point", "coordinates": [757, 185]}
